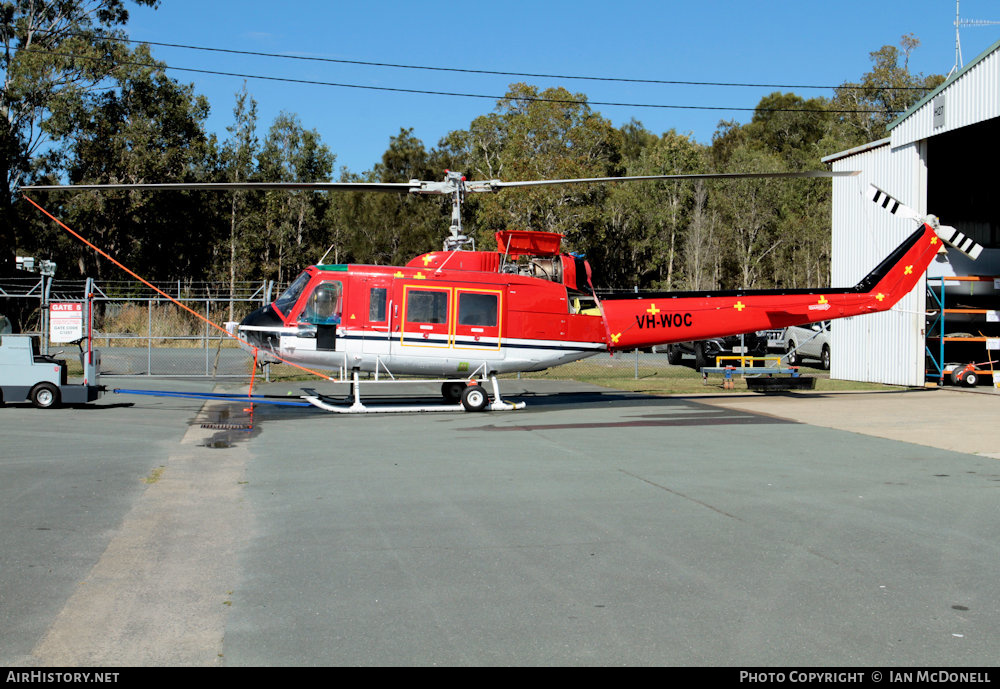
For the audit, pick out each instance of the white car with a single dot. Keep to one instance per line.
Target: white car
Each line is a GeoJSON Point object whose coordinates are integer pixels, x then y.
{"type": "Point", "coordinates": [808, 342]}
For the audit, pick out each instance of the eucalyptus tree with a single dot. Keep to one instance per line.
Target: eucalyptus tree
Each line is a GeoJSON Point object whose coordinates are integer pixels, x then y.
{"type": "Point", "coordinates": [292, 220]}
{"type": "Point", "coordinates": [870, 104]}
{"type": "Point", "coordinates": [533, 135]}
{"type": "Point", "coordinates": [147, 129]}
{"type": "Point", "coordinates": [55, 55]}
{"type": "Point", "coordinates": [389, 229]}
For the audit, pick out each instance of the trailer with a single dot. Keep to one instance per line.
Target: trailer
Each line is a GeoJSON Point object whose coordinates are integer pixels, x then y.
{"type": "Point", "coordinates": [28, 376]}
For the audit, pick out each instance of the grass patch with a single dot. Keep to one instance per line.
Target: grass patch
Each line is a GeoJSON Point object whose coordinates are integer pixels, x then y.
{"type": "Point", "coordinates": [154, 476]}
{"type": "Point", "coordinates": [679, 380]}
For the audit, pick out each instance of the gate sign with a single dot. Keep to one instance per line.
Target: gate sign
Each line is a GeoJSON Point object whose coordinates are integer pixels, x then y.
{"type": "Point", "coordinates": [65, 322]}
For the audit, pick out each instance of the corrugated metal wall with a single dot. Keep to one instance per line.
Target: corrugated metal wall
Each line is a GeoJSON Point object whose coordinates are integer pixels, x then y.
{"type": "Point", "coordinates": [972, 95]}
{"type": "Point", "coordinates": [886, 347]}
{"type": "Point", "coordinates": [890, 347]}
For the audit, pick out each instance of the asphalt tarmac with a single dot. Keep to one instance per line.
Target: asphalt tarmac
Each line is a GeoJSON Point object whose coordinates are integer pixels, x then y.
{"type": "Point", "coordinates": [591, 528]}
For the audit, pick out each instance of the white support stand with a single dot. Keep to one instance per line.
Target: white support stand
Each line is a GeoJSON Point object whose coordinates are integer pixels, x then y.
{"type": "Point", "coordinates": [499, 404]}
{"type": "Point", "coordinates": [356, 406]}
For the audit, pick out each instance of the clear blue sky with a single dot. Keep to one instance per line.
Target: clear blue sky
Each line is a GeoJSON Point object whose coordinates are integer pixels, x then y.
{"type": "Point", "coordinates": [776, 42]}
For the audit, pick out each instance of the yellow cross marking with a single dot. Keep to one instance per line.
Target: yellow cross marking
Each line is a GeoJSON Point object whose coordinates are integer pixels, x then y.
{"type": "Point", "coordinates": [652, 309]}
{"type": "Point", "coordinates": [822, 300]}
{"type": "Point", "coordinates": [428, 258]}
{"type": "Point", "coordinates": [614, 338]}
{"type": "Point", "coordinates": [352, 316]}
{"type": "Point", "coordinates": [880, 296]}
{"type": "Point", "coordinates": [739, 306]}
{"type": "Point", "coordinates": [907, 270]}
{"type": "Point", "coordinates": [933, 240]}
{"type": "Point", "coordinates": [420, 276]}
{"type": "Point", "coordinates": [398, 274]}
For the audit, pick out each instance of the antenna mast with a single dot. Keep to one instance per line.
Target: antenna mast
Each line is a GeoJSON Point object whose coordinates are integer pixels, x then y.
{"type": "Point", "coordinates": [958, 42]}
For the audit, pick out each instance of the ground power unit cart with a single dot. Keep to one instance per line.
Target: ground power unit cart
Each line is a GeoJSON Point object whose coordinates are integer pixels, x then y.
{"type": "Point", "coordinates": [27, 376]}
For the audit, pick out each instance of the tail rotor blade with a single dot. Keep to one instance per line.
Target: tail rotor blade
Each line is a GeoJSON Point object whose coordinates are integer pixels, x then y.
{"type": "Point", "coordinates": [949, 235]}
{"type": "Point", "coordinates": [890, 204]}
{"type": "Point", "coordinates": [952, 237]}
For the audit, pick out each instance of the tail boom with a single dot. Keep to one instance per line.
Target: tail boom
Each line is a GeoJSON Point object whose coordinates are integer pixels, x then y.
{"type": "Point", "coordinates": [643, 320]}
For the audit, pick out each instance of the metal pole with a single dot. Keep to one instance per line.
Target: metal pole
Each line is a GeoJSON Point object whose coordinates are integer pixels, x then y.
{"type": "Point", "coordinates": [44, 305]}
{"type": "Point", "coordinates": [208, 314]}
{"type": "Point", "coordinates": [149, 338]}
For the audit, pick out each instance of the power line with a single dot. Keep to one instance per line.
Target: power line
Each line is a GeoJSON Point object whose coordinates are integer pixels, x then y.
{"type": "Point", "coordinates": [461, 70]}
{"type": "Point", "coordinates": [455, 94]}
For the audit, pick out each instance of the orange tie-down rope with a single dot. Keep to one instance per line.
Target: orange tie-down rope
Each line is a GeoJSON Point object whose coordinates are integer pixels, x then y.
{"type": "Point", "coordinates": [186, 308]}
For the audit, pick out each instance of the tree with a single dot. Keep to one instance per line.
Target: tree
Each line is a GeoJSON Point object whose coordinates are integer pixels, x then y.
{"type": "Point", "coordinates": [292, 219]}
{"type": "Point", "coordinates": [55, 54]}
{"type": "Point", "coordinates": [883, 93]}
{"type": "Point", "coordinates": [148, 128]}
{"type": "Point", "coordinates": [648, 221]}
{"type": "Point", "coordinates": [536, 136]}
{"type": "Point", "coordinates": [390, 228]}
{"type": "Point", "coordinates": [748, 214]}
{"type": "Point", "coordinates": [239, 161]}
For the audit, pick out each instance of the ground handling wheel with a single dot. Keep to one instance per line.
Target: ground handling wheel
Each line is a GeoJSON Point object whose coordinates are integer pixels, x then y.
{"type": "Point", "coordinates": [452, 390]}
{"type": "Point", "coordinates": [474, 398]}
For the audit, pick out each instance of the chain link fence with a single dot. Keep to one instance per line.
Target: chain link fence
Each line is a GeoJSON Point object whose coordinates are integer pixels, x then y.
{"type": "Point", "coordinates": [141, 332]}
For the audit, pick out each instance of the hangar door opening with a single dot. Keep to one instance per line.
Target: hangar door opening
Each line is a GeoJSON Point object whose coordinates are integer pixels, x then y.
{"type": "Point", "coordinates": [961, 180]}
{"type": "Point", "coordinates": [963, 304]}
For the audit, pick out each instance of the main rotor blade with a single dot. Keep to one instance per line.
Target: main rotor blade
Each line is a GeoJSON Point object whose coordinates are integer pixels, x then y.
{"type": "Point", "coordinates": [497, 184]}
{"type": "Point", "coordinates": [448, 186]}
{"type": "Point", "coordinates": [398, 187]}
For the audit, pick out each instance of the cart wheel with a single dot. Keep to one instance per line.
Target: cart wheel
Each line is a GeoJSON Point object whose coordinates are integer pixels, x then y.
{"type": "Point", "coordinates": [474, 398]}
{"type": "Point", "coordinates": [45, 396]}
{"type": "Point", "coordinates": [969, 379]}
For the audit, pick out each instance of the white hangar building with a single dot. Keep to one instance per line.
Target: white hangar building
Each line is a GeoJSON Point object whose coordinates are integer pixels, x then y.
{"type": "Point", "coordinates": [941, 157]}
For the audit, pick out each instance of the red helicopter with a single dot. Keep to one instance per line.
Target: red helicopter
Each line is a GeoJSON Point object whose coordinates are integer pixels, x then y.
{"type": "Point", "coordinates": [465, 316]}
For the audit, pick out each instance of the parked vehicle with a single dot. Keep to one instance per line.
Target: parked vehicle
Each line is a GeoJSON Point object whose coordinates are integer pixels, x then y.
{"type": "Point", "coordinates": [705, 351]}
{"type": "Point", "coordinates": [808, 342]}
{"type": "Point", "coordinates": [775, 340]}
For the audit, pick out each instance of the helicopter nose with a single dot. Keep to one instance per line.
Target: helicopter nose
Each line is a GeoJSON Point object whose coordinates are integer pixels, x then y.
{"type": "Point", "coordinates": [257, 328]}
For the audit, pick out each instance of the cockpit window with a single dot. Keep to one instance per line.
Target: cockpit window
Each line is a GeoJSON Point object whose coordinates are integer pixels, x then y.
{"type": "Point", "coordinates": [287, 300]}
{"type": "Point", "coordinates": [324, 305]}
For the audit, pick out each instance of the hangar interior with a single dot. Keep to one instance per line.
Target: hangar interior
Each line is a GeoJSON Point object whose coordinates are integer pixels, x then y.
{"type": "Point", "coordinates": [962, 304]}
{"type": "Point", "coordinates": [961, 180]}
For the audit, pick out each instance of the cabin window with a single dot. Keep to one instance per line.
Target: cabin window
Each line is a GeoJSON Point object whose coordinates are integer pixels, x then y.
{"type": "Point", "coordinates": [324, 305]}
{"type": "Point", "coordinates": [376, 304]}
{"type": "Point", "coordinates": [425, 306]}
{"type": "Point", "coordinates": [477, 309]}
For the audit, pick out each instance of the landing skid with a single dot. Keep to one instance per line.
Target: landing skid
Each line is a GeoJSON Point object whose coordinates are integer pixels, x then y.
{"type": "Point", "coordinates": [474, 398]}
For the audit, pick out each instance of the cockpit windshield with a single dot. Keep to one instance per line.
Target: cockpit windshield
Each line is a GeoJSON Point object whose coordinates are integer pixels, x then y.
{"type": "Point", "coordinates": [287, 300]}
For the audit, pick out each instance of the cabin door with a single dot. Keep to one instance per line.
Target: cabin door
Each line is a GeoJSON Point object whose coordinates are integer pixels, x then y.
{"type": "Point", "coordinates": [376, 331]}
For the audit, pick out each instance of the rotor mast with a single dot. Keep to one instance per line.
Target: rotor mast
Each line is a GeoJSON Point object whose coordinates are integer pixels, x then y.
{"type": "Point", "coordinates": [456, 186]}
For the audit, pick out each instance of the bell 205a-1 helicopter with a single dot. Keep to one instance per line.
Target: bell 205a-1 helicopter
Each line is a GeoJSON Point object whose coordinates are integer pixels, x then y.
{"type": "Point", "coordinates": [465, 316]}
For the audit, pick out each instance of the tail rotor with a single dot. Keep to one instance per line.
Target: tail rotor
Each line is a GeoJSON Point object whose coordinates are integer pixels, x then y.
{"type": "Point", "coordinates": [949, 235]}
